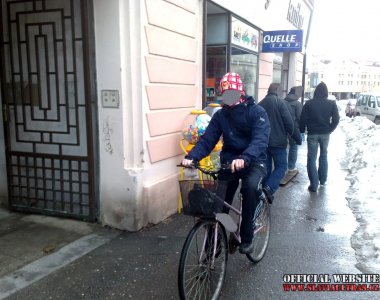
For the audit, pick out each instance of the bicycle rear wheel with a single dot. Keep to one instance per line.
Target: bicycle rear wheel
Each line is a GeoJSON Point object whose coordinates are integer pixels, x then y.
{"type": "Point", "coordinates": [200, 275]}
{"type": "Point", "coordinates": [261, 234]}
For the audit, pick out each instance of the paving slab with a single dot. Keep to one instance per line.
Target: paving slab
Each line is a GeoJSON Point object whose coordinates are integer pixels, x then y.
{"type": "Point", "coordinates": [25, 238]}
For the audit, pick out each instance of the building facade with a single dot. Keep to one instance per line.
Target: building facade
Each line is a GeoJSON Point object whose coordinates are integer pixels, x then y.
{"type": "Point", "coordinates": [345, 78]}
{"type": "Point", "coordinates": [94, 96]}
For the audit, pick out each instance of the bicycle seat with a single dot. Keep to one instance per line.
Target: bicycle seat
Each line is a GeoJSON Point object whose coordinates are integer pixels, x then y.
{"type": "Point", "coordinates": [227, 221]}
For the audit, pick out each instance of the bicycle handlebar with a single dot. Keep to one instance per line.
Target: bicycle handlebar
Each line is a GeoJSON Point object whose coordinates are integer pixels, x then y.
{"type": "Point", "coordinates": [212, 172]}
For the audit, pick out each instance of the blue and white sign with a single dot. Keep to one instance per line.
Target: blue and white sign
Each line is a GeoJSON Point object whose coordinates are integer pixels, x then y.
{"type": "Point", "coordinates": [282, 41]}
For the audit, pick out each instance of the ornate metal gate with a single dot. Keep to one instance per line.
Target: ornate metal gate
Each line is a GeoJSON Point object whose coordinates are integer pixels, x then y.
{"type": "Point", "coordinates": [46, 92]}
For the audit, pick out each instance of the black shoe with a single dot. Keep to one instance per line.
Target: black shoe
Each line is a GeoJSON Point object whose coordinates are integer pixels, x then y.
{"type": "Point", "coordinates": [312, 189]}
{"type": "Point", "coordinates": [268, 193]}
{"type": "Point", "coordinates": [246, 248]}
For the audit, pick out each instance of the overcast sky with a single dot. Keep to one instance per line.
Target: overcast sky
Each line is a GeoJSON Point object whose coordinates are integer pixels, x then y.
{"type": "Point", "coordinates": [346, 28]}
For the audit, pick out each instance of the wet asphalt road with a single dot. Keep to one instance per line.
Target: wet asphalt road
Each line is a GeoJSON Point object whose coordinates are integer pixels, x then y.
{"type": "Point", "coordinates": [310, 235]}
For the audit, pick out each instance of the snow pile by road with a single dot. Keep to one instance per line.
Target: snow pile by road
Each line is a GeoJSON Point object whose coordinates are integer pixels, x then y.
{"type": "Point", "coordinates": [363, 163]}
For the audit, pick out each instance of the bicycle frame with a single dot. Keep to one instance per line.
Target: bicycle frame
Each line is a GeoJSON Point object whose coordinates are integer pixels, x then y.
{"type": "Point", "coordinates": [235, 234]}
{"type": "Point", "coordinates": [238, 212]}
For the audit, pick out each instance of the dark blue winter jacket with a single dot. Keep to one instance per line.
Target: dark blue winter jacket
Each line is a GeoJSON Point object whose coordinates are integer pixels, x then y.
{"type": "Point", "coordinates": [281, 121]}
{"type": "Point", "coordinates": [245, 128]}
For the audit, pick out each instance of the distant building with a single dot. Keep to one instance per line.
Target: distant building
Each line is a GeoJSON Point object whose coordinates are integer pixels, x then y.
{"type": "Point", "coordinates": [345, 78]}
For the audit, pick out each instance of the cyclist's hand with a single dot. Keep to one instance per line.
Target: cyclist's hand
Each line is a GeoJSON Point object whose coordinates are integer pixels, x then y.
{"type": "Point", "coordinates": [237, 165]}
{"type": "Point", "coordinates": [187, 162]}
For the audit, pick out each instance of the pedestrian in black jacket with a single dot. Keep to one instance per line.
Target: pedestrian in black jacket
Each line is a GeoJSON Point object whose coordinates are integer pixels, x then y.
{"type": "Point", "coordinates": [282, 125]}
{"type": "Point", "coordinates": [319, 117]}
{"type": "Point", "coordinates": [295, 109]}
{"type": "Point", "coordinates": [245, 129]}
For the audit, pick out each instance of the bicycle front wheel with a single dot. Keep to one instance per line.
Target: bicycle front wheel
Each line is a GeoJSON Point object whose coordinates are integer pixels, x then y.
{"type": "Point", "coordinates": [202, 267]}
{"type": "Point", "coordinates": [261, 233]}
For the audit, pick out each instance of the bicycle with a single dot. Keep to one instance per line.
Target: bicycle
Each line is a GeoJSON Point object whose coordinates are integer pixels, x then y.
{"type": "Point", "coordinates": [203, 261]}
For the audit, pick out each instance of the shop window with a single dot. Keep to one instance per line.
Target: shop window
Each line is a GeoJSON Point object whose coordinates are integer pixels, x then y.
{"type": "Point", "coordinates": [216, 67]}
{"type": "Point", "coordinates": [245, 63]}
{"type": "Point", "coordinates": [217, 29]}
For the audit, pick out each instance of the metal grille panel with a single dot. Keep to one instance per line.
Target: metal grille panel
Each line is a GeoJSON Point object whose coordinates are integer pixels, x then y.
{"type": "Point", "coordinates": [43, 49]}
{"type": "Point", "coordinates": [58, 186]}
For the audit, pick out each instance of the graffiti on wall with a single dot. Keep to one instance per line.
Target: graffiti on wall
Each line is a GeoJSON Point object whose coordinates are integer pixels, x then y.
{"type": "Point", "coordinates": [107, 133]}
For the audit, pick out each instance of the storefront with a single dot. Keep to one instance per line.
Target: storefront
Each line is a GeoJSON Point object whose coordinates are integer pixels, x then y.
{"type": "Point", "coordinates": [231, 46]}
{"type": "Point", "coordinates": [234, 44]}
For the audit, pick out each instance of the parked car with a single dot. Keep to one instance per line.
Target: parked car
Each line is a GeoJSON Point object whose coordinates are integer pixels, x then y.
{"type": "Point", "coordinates": [368, 105]}
{"type": "Point", "coordinates": [350, 108]}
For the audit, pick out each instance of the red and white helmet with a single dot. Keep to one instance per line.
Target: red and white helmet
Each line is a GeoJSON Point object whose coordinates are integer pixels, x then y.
{"type": "Point", "coordinates": [231, 81]}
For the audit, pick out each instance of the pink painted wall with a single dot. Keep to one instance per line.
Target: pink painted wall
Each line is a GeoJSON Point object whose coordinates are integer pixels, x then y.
{"type": "Point", "coordinates": [265, 74]}
{"type": "Point", "coordinates": [173, 70]}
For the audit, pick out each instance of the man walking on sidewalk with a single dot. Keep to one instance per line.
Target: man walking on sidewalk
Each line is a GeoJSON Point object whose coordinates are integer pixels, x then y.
{"type": "Point", "coordinates": [295, 108]}
{"type": "Point", "coordinates": [319, 117]}
{"type": "Point", "coordinates": [282, 125]}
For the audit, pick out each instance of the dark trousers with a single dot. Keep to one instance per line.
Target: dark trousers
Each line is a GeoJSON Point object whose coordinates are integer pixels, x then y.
{"type": "Point", "coordinates": [251, 179]}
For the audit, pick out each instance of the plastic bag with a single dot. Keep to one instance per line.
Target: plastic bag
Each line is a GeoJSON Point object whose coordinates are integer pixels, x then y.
{"type": "Point", "coordinates": [195, 131]}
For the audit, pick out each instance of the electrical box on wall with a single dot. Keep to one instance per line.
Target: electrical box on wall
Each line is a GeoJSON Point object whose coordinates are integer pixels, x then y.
{"type": "Point", "coordinates": [110, 98]}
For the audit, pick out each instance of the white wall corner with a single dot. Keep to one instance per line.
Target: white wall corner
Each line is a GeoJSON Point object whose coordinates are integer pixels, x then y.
{"type": "Point", "coordinates": [120, 189]}
{"type": "Point", "coordinates": [131, 36]}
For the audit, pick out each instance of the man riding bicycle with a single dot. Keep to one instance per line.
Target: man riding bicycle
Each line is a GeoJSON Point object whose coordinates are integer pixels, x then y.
{"type": "Point", "coordinates": [245, 129]}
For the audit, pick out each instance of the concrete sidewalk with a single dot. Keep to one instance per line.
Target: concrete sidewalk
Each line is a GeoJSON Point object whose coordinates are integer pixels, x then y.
{"type": "Point", "coordinates": [42, 243]}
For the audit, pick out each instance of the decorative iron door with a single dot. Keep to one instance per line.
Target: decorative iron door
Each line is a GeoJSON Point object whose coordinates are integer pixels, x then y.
{"type": "Point", "coordinates": [46, 92]}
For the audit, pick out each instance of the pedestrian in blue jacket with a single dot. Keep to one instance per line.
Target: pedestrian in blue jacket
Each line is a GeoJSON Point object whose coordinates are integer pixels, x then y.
{"type": "Point", "coordinates": [245, 128]}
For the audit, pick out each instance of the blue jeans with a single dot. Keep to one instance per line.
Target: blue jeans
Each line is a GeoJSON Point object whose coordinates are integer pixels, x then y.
{"type": "Point", "coordinates": [292, 154]}
{"type": "Point", "coordinates": [317, 175]}
{"type": "Point", "coordinates": [276, 167]}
